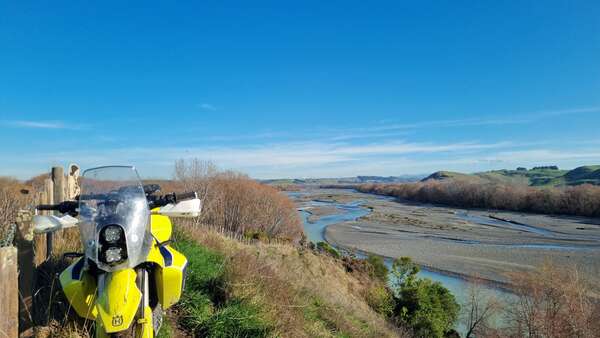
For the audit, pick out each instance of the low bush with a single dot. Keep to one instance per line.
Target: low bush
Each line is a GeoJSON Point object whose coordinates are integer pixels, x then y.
{"type": "Point", "coordinates": [379, 270]}
{"type": "Point", "coordinates": [426, 306]}
{"type": "Point", "coordinates": [328, 249]}
{"type": "Point", "coordinates": [381, 300]}
{"type": "Point", "coordinates": [257, 235]}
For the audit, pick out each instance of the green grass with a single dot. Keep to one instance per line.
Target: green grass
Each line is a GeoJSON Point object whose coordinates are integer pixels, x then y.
{"type": "Point", "coordinates": [327, 248]}
{"type": "Point", "coordinates": [166, 331]}
{"type": "Point", "coordinates": [207, 311]}
{"type": "Point", "coordinates": [237, 319]}
{"type": "Point", "coordinates": [317, 313]}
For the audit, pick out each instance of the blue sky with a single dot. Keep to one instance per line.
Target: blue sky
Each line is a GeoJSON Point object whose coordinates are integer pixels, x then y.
{"type": "Point", "coordinates": [300, 89]}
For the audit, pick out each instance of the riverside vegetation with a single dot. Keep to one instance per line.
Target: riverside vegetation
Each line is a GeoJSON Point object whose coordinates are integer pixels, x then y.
{"type": "Point", "coordinates": [580, 200]}
{"type": "Point", "coordinates": [252, 274]}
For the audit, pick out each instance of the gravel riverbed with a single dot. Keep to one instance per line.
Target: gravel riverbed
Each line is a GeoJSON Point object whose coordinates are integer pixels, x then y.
{"type": "Point", "coordinates": [485, 243]}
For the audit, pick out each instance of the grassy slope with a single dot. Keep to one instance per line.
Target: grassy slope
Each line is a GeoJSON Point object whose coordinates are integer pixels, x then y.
{"type": "Point", "coordinates": [235, 289]}
{"type": "Point", "coordinates": [268, 290]}
{"type": "Point", "coordinates": [538, 177]}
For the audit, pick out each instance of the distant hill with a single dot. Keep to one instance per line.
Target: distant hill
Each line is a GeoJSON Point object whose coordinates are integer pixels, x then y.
{"type": "Point", "coordinates": [345, 180]}
{"type": "Point", "coordinates": [537, 176]}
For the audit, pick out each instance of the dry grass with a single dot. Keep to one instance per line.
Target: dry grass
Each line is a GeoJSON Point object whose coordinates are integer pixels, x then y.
{"type": "Point", "coordinates": [11, 200]}
{"type": "Point", "coordinates": [304, 294]}
{"type": "Point", "coordinates": [52, 314]}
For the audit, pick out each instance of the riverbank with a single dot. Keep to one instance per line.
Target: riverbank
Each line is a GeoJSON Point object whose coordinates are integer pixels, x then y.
{"type": "Point", "coordinates": [465, 243]}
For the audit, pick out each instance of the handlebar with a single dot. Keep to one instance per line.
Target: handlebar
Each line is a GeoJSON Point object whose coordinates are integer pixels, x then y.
{"type": "Point", "coordinates": [47, 207]}
{"type": "Point", "coordinates": [70, 207]}
{"type": "Point", "coordinates": [161, 201]}
{"type": "Point", "coordinates": [63, 207]}
{"type": "Point", "coordinates": [186, 196]}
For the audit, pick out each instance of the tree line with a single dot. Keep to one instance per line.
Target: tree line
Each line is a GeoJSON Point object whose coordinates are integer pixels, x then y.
{"type": "Point", "coordinates": [581, 200]}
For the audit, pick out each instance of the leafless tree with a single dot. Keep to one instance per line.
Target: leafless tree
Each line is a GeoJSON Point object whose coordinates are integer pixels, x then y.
{"type": "Point", "coordinates": [479, 310]}
{"type": "Point", "coordinates": [195, 174]}
{"type": "Point", "coordinates": [552, 302]}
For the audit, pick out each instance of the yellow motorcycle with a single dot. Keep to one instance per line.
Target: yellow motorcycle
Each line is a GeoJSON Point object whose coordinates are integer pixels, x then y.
{"type": "Point", "coordinates": [128, 274]}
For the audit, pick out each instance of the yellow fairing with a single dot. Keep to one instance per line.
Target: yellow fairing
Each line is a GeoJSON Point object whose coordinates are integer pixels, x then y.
{"type": "Point", "coordinates": [118, 301]}
{"type": "Point", "coordinates": [170, 274]}
{"type": "Point", "coordinates": [161, 227]}
{"type": "Point", "coordinates": [80, 289]}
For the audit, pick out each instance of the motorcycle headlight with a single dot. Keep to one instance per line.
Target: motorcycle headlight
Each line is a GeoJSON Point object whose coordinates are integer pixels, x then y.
{"type": "Point", "coordinates": [113, 233]}
{"type": "Point", "coordinates": [113, 255]}
{"type": "Point", "coordinates": [113, 247]}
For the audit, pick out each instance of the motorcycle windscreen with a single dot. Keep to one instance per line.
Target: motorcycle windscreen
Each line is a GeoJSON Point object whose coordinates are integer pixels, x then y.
{"type": "Point", "coordinates": [114, 217]}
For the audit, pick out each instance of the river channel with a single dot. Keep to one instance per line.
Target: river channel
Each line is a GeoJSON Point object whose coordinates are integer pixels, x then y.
{"type": "Point", "coordinates": [351, 211]}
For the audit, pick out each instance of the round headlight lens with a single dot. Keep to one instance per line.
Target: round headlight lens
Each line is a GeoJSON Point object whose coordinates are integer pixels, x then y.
{"type": "Point", "coordinates": [112, 233]}
{"type": "Point", "coordinates": [113, 255]}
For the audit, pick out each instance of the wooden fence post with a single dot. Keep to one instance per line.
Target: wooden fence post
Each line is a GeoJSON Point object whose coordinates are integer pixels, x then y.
{"type": "Point", "coordinates": [49, 199]}
{"type": "Point", "coordinates": [9, 306]}
{"type": "Point", "coordinates": [39, 241]}
{"type": "Point", "coordinates": [72, 186]}
{"type": "Point", "coordinates": [25, 257]}
{"type": "Point", "coordinates": [58, 179]}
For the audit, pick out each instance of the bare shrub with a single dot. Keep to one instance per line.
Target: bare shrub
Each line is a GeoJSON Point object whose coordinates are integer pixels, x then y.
{"type": "Point", "coordinates": [552, 302]}
{"type": "Point", "coordinates": [237, 204]}
{"type": "Point", "coordinates": [196, 175]}
{"type": "Point", "coordinates": [479, 310]}
{"type": "Point", "coordinates": [11, 200]}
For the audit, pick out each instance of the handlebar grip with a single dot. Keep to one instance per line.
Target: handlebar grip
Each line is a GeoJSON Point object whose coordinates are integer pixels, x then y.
{"type": "Point", "coordinates": [186, 196]}
{"type": "Point", "coordinates": [47, 207]}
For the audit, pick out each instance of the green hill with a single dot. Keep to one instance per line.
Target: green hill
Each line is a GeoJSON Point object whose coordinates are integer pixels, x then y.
{"type": "Point", "coordinates": [538, 176]}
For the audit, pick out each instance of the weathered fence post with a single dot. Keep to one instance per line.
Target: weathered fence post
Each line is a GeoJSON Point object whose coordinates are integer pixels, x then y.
{"type": "Point", "coordinates": [26, 272]}
{"type": "Point", "coordinates": [48, 199]}
{"type": "Point", "coordinates": [9, 306]}
{"type": "Point", "coordinates": [39, 241]}
{"type": "Point", "coordinates": [72, 187]}
{"type": "Point", "coordinates": [58, 179]}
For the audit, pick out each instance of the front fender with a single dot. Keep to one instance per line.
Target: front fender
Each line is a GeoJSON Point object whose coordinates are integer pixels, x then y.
{"type": "Point", "coordinates": [118, 300]}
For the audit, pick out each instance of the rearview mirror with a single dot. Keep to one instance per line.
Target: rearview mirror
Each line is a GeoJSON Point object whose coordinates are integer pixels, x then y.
{"type": "Point", "coordinates": [44, 224]}
{"type": "Point", "coordinates": [189, 208]}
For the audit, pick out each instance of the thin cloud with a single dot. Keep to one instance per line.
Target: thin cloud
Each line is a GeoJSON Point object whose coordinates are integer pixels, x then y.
{"type": "Point", "coordinates": [566, 112]}
{"type": "Point", "coordinates": [207, 106]}
{"type": "Point", "coordinates": [39, 124]}
{"type": "Point", "coordinates": [524, 118]}
{"type": "Point", "coordinates": [285, 158]}
{"type": "Point", "coordinates": [411, 148]}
